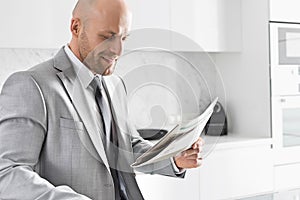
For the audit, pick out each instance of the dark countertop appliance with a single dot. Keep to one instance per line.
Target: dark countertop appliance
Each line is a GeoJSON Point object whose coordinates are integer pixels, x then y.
{"type": "Point", "coordinates": [152, 134]}
{"type": "Point", "coordinates": [217, 124]}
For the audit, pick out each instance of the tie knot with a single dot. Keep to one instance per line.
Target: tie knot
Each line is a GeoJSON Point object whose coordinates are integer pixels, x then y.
{"type": "Point", "coordinates": [97, 83]}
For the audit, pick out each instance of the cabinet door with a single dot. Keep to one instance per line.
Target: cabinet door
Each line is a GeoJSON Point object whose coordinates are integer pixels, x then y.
{"type": "Point", "coordinates": [215, 25]}
{"type": "Point", "coordinates": [35, 23]}
{"type": "Point", "coordinates": [157, 187]}
{"type": "Point", "coordinates": [198, 21]}
{"type": "Point", "coordinates": [239, 172]}
{"type": "Point", "coordinates": [286, 177]}
{"type": "Point", "coordinates": [285, 11]}
{"type": "Point", "coordinates": [150, 24]}
{"type": "Point", "coordinates": [150, 13]}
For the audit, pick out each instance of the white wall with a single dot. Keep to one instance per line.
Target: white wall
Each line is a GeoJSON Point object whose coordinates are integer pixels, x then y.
{"type": "Point", "coordinates": [246, 74]}
{"type": "Point", "coordinates": [13, 60]}
{"type": "Point", "coordinates": [35, 23]}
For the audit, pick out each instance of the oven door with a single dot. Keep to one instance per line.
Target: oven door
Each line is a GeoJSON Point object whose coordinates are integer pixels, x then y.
{"type": "Point", "coordinates": [286, 127]}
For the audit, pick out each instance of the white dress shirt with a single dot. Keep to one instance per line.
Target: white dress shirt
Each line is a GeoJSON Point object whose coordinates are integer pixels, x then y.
{"type": "Point", "coordinates": [86, 77]}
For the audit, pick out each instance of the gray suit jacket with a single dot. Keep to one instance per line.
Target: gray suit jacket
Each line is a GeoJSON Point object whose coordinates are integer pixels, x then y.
{"type": "Point", "coordinates": [49, 147]}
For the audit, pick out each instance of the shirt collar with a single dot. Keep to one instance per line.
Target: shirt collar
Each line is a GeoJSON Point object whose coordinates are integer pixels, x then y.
{"type": "Point", "coordinates": [84, 74]}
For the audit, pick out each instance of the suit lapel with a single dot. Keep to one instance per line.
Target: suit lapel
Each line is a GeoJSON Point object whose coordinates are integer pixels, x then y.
{"type": "Point", "coordinates": [75, 90]}
{"type": "Point", "coordinates": [119, 114]}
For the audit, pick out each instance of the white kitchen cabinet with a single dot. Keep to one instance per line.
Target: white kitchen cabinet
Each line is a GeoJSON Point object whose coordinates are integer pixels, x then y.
{"type": "Point", "coordinates": [237, 172]}
{"type": "Point", "coordinates": [150, 24]}
{"type": "Point", "coordinates": [235, 168]}
{"type": "Point", "coordinates": [35, 23]}
{"type": "Point", "coordinates": [150, 13]}
{"type": "Point", "coordinates": [212, 24]}
{"type": "Point", "coordinates": [215, 25]}
{"type": "Point", "coordinates": [285, 11]}
{"type": "Point", "coordinates": [286, 177]}
{"type": "Point", "coordinates": [156, 187]}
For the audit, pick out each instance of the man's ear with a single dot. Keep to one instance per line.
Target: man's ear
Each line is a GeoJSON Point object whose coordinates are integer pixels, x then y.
{"type": "Point", "coordinates": [75, 26]}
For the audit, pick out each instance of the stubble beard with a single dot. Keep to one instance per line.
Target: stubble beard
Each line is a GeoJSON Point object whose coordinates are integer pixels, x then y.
{"type": "Point", "coordinates": [86, 52]}
{"type": "Point", "coordinates": [90, 60]}
{"type": "Point", "coordinates": [84, 47]}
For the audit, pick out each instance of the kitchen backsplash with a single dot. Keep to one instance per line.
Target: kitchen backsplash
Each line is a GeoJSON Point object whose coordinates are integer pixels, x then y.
{"type": "Point", "coordinates": [166, 87]}
{"type": "Point", "coordinates": [12, 60]}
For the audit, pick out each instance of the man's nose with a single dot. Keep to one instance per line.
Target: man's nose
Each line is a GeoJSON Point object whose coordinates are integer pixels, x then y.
{"type": "Point", "coordinates": [116, 46]}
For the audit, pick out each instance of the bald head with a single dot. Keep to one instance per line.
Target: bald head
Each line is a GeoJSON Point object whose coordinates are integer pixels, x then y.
{"type": "Point", "coordinates": [99, 26]}
{"type": "Point", "coordinates": [86, 9]}
{"type": "Point", "coordinates": [82, 7]}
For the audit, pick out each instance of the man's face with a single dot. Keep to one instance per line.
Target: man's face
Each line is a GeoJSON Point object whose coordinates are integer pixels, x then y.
{"type": "Point", "coordinates": [101, 39]}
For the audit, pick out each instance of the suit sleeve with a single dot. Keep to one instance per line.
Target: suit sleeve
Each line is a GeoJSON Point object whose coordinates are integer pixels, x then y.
{"type": "Point", "coordinates": [164, 167]}
{"type": "Point", "coordinates": [23, 129]}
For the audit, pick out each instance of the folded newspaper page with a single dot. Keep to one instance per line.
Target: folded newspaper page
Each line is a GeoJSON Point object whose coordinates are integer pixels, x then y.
{"type": "Point", "coordinates": [178, 139]}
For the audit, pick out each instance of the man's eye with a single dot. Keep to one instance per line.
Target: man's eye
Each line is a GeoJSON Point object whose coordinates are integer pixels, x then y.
{"type": "Point", "coordinates": [105, 37]}
{"type": "Point", "coordinates": [125, 38]}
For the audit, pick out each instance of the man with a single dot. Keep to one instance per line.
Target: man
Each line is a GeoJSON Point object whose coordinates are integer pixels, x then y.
{"type": "Point", "coordinates": [63, 124]}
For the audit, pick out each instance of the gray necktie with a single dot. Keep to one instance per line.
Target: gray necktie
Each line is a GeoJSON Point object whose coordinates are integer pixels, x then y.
{"type": "Point", "coordinates": [111, 141]}
{"type": "Point", "coordinates": [104, 110]}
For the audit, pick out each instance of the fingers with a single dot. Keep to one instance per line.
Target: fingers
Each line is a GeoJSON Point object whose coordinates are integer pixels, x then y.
{"type": "Point", "coordinates": [196, 144]}
{"type": "Point", "coordinates": [190, 158]}
{"type": "Point", "coordinates": [193, 163]}
{"type": "Point", "coordinates": [190, 152]}
{"type": "Point", "coordinates": [193, 157]}
{"type": "Point", "coordinates": [193, 153]}
{"type": "Point", "coordinates": [199, 142]}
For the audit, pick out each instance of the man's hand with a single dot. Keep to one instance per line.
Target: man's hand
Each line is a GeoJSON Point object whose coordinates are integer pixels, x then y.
{"type": "Point", "coordinates": [190, 158]}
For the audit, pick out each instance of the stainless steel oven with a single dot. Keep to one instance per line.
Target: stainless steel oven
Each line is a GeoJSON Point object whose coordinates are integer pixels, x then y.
{"type": "Point", "coordinates": [285, 92]}
{"type": "Point", "coordinates": [285, 58]}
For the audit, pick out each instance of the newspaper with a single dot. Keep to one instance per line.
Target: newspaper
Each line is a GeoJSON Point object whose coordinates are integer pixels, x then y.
{"type": "Point", "coordinates": [178, 139]}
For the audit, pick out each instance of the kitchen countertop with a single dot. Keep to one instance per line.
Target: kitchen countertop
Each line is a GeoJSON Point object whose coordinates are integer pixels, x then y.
{"type": "Point", "coordinates": [232, 141]}
{"type": "Point", "coordinates": [281, 195]}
